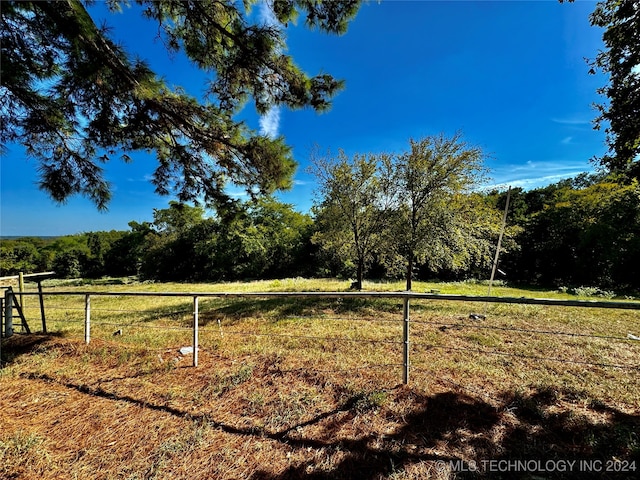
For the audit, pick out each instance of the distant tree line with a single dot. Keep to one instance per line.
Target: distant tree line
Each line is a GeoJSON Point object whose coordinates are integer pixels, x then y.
{"type": "Point", "coordinates": [579, 232]}
{"type": "Point", "coordinates": [259, 239]}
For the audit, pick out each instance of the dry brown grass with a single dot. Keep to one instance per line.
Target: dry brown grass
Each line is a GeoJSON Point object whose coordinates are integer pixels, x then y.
{"type": "Point", "coordinates": [286, 393]}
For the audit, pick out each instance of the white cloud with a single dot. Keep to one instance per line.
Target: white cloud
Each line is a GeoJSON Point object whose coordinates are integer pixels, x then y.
{"type": "Point", "coordinates": [536, 174]}
{"type": "Point", "coordinates": [572, 121]}
{"type": "Point", "coordinates": [266, 15]}
{"type": "Point", "coordinates": [236, 193]}
{"type": "Point", "coordinates": [270, 122]}
{"type": "Point", "coordinates": [566, 140]}
{"type": "Point", "coordinates": [546, 166]}
{"type": "Point", "coordinates": [534, 182]}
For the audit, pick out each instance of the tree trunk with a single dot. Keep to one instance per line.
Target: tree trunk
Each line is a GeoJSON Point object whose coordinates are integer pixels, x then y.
{"type": "Point", "coordinates": [360, 274]}
{"type": "Point", "coordinates": [409, 271]}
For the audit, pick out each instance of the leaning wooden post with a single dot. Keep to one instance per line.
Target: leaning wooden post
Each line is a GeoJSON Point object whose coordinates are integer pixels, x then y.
{"type": "Point", "coordinates": [87, 318]}
{"type": "Point", "coordinates": [195, 331]}
{"type": "Point", "coordinates": [405, 336]}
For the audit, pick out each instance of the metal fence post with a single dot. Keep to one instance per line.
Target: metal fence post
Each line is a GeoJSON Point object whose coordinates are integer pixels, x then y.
{"type": "Point", "coordinates": [405, 335]}
{"type": "Point", "coordinates": [195, 331]}
{"type": "Point", "coordinates": [87, 318]}
{"type": "Point", "coordinates": [44, 320]}
{"type": "Point", "coordinates": [8, 313]}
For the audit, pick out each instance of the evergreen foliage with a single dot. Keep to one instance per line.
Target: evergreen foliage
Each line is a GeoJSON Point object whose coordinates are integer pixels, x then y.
{"type": "Point", "coordinates": [75, 99]}
{"type": "Point", "coordinates": [621, 62]}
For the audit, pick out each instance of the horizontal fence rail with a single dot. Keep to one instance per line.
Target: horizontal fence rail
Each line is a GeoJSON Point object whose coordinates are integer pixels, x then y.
{"type": "Point", "coordinates": [405, 295]}
{"type": "Point", "coordinates": [192, 315]}
{"type": "Point", "coordinates": [399, 295]}
{"type": "Point", "coordinates": [29, 276]}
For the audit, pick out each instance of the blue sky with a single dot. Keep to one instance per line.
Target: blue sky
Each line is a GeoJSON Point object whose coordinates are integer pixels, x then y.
{"type": "Point", "coordinates": [510, 76]}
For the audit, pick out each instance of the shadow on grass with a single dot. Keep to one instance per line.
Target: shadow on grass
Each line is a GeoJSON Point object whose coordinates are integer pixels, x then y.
{"type": "Point", "coordinates": [451, 434]}
{"type": "Point", "coordinates": [234, 310]}
{"type": "Point", "coordinates": [533, 446]}
{"type": "Point", "coordinates": [20, 344]}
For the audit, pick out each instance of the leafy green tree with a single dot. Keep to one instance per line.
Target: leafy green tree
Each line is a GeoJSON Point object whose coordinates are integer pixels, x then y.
{"type": "Point", "coordinates": [237, 251]}
{"type": "Point", "coordinates": [124, 256]}
{"type": "Point", "coordinates": [52, 249]}
{"type": "Point", "coordinates": [355, 198]}
{"type": "Point", "coordinates": [75, 99]}
{"type": "Point", "coordinates": [78, 255]}
{"type": "Point", "coordinates": [620, 60]}
{"type": "Point", "coordinates": [263, 238]}
{"type": "Point", "coordinates": [257, 239]}
{"type": "Point", "coordinates": [286, 236]}
{"type": "Point", "coordinates": [99, 244]}
{"type": "Point", "coordinates": [473, 238]}
{"type": "Point", "coordinates": [169, 247]}
{"type": "Point", "coordinates": [177, 219]}
{"type": "Point", "coordinates": [69, 242]}
{"type": "Point", "coordinates": [18, 256]}
{"type": "Point", "coordinates": [68, 263]}
{"type": "Point", "coordinates": [614, 239]}
{"type": "Point", "coordinates": [432, 224]}
{"type": "Point", "coordinates": [603, 227]}
{"type": "Point", "coordinates": [580, 233]}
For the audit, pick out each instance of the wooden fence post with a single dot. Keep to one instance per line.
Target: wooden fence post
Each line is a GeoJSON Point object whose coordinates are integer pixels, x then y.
{"type": "Point", "coordinates": [87, 318]}
{"type": "Point", "coordinates": [195, 331]}
{"type": "Point", "coordinates": [21, 289]}
{"type": "Point", "coordinates": [405, 337]}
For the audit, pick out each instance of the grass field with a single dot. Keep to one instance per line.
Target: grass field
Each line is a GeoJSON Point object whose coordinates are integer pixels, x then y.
{"type": "Point", "coordinates": [312, 388]}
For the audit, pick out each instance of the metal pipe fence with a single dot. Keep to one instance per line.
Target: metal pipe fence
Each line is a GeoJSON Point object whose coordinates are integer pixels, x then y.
{"type": "Point", "coordinates": [410, 313]}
